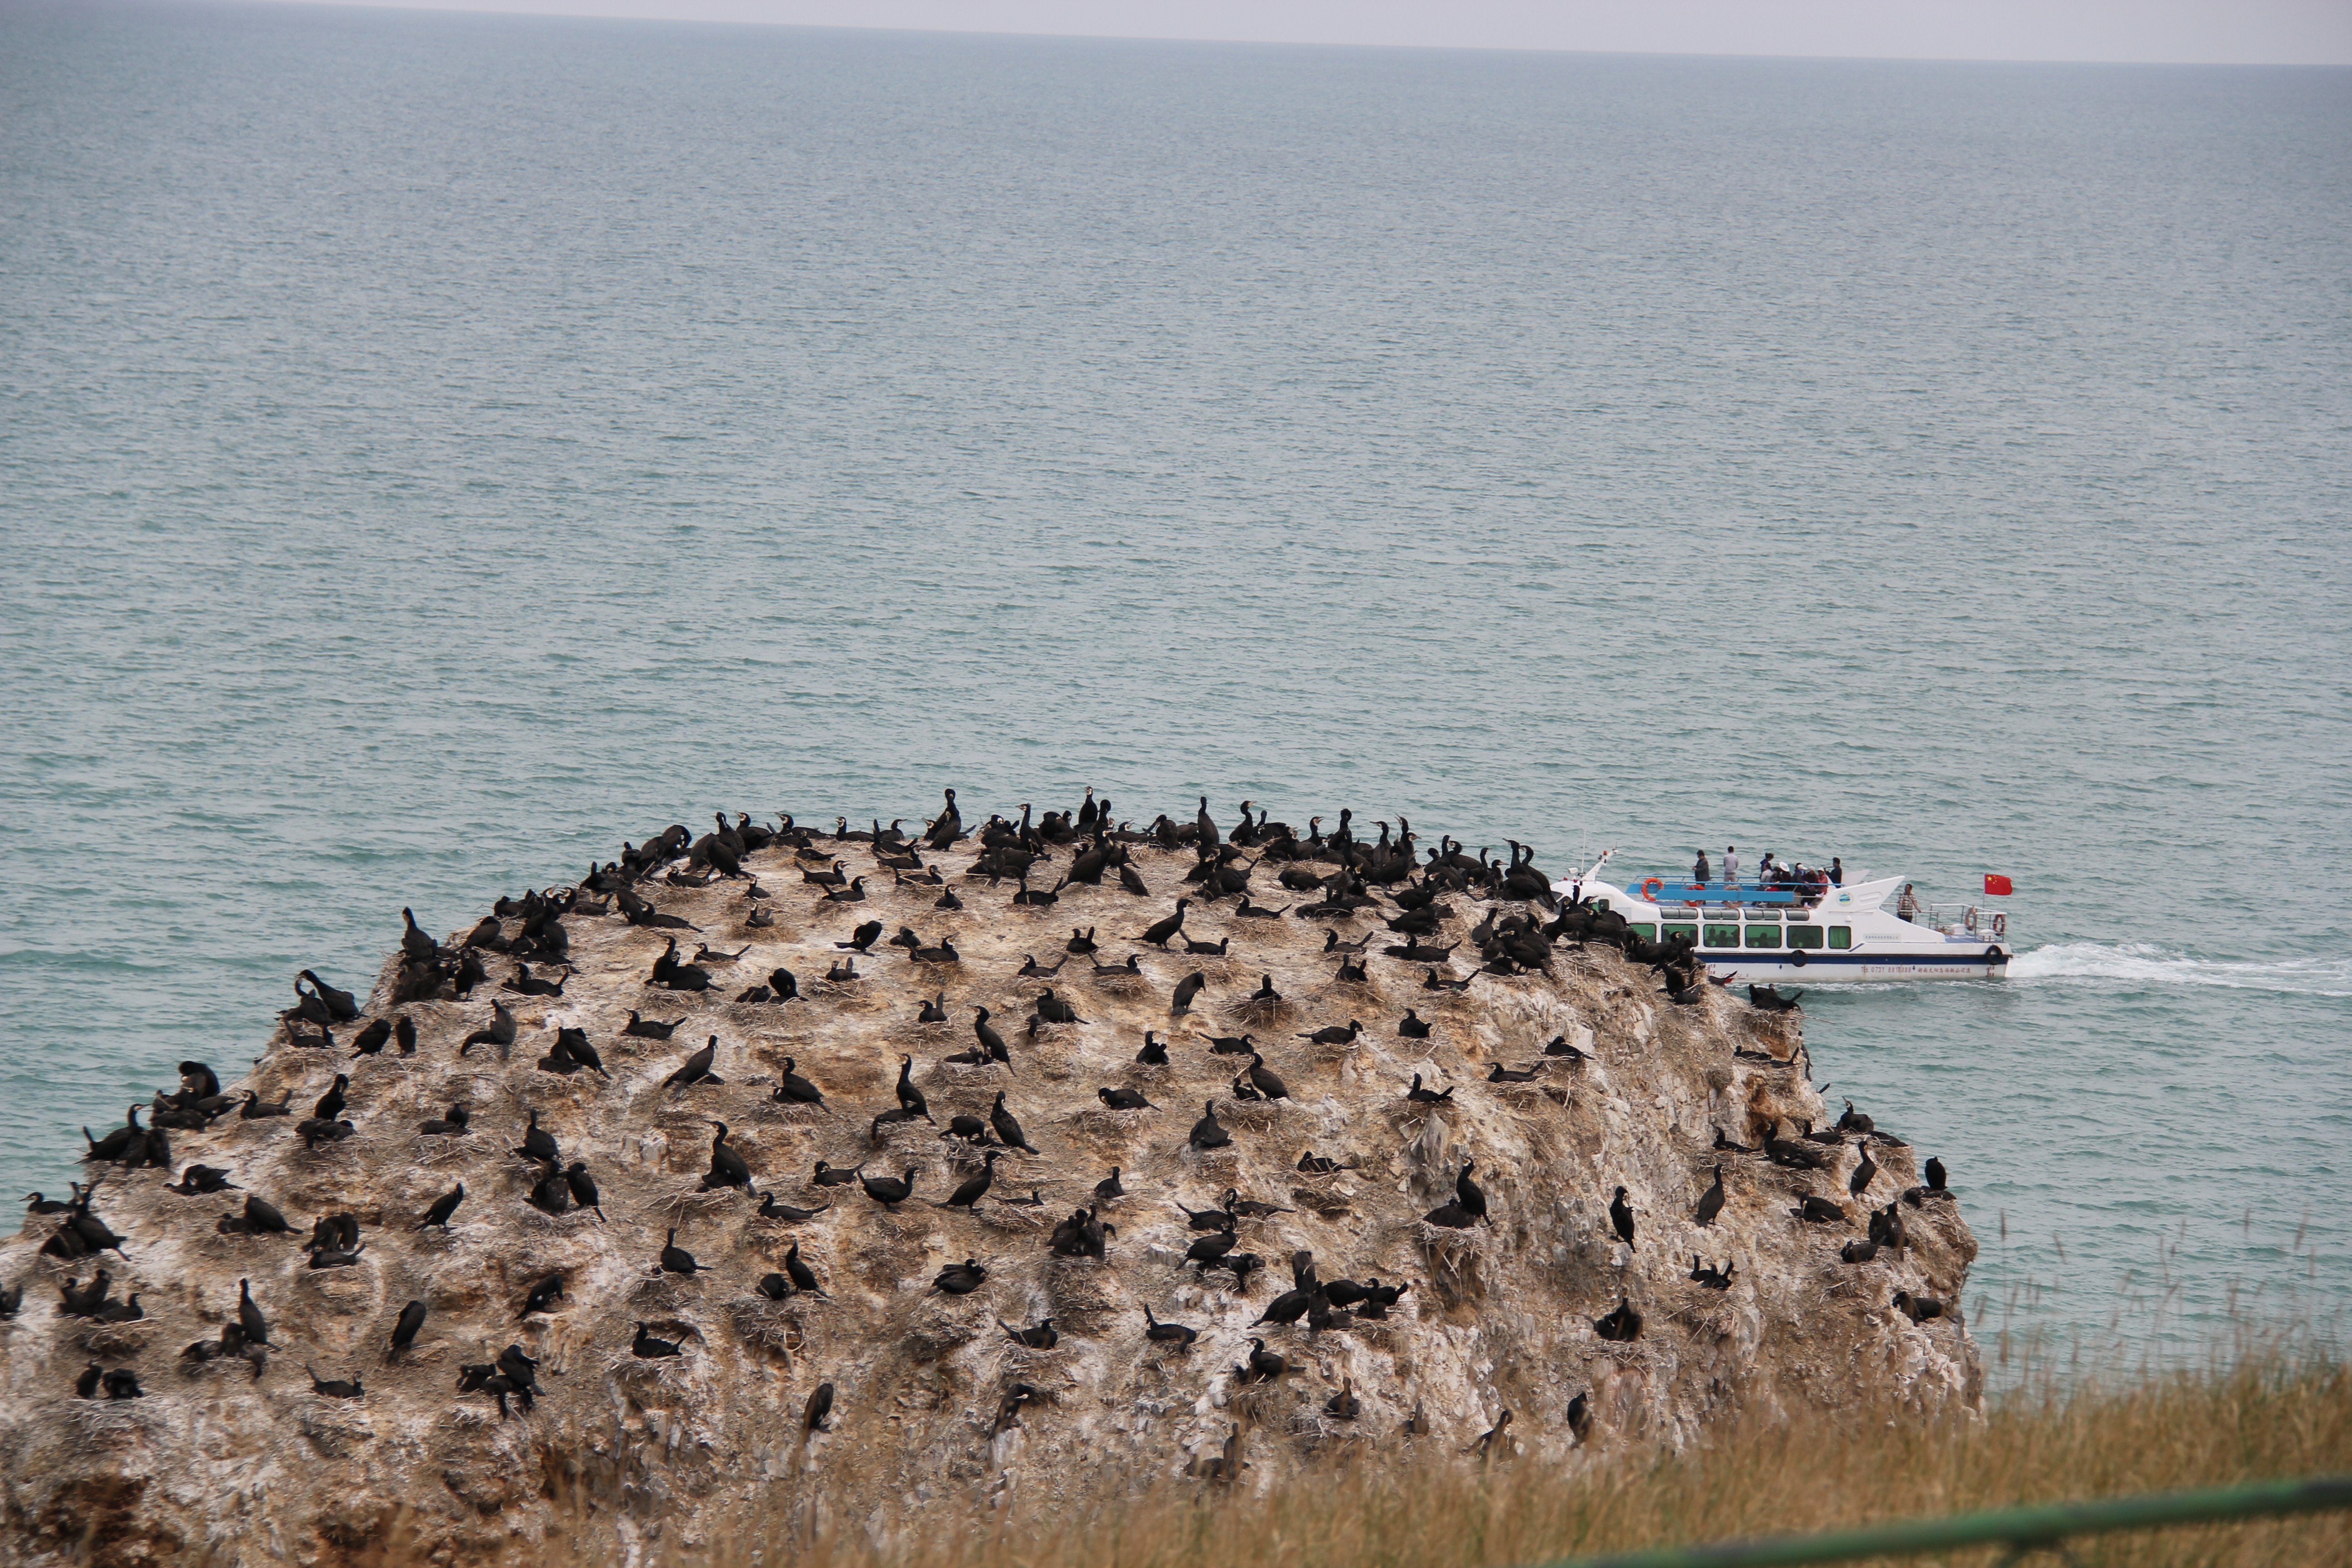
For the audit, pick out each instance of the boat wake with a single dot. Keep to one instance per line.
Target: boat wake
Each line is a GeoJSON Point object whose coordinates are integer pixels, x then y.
{"type": "Point", "coordinates": [2139, 963]}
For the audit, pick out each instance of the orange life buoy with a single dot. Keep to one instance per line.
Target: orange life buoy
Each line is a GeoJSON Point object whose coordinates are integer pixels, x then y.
{"type": "Point", "coordinates": [1970, 919]}
{"type": "Point", "coordinates": [2000, 925]}
{"type": "Point", "coordinates": [1650, 890]}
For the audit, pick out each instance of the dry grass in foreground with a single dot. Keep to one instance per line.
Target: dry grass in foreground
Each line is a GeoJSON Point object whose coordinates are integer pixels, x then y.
{"type": "Point", "coordinates": [2268, 1416]}
{"type": "Point", "coordinates": [2264, 1416]}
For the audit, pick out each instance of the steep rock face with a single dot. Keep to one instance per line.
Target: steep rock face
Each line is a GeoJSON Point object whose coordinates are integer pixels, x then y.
{"type": "Point", "coordinates": [1499, 1316]}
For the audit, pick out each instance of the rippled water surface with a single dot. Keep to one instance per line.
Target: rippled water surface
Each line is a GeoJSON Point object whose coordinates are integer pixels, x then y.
{"type": "Point", "coordinates": [436, 448]}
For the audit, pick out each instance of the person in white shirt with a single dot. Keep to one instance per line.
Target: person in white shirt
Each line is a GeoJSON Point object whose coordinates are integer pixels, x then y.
{"type": "Point", "coordinates": [1730, 864]}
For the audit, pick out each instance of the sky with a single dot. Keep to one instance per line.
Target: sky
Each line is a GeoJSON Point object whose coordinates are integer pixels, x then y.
{"type": "Point", "coordinates": [2232, 32]}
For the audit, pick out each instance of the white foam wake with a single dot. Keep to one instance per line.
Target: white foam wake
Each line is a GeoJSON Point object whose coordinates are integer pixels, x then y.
{"type": "Point", "coordinates": [2139, 963]}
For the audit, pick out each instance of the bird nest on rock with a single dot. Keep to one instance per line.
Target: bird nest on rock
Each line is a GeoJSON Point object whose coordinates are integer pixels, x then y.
{"type": "Point", "coordinates": [771, 1325]}
{"type": "Point", "coordinates": [665, 1293]}
{"type": "Point", "coordinates": [1706, 1319]}
{"type": "Point", "coordinates": [1087, 1293]}
{"type": "Point", "coordinates": [1249, 1012]}
{"type": "Point", "coordinates": [1265, 1404]}
{"type": "Point", "coordinates": [1328, 1201]}
{"type": "Point", "coordinates": [1104, 1125]}
{"type": "Point", "coordinates": [1457, 1260]}
{"type": "Point", "coordinates": [539, 1219]}
{"type": "Point", "coordinates": [110, 1424]}
{"type": "Point", "coordinates": [936, 1327]}
{"type": "Point", "coordinates": [664, 1374]}
{"type": "Point", "coordinates": [335, 1428]}
{"type": "Point", "coordinates": [116, 1340]}
{"type": "Point", "coordinates": [980, 1075]}
{"type": "Point", "coordinates": [438, 1149]}
{"type": "Point", "coordinates": [1256, 1115]}
{"type": "Point", "coordinates": [348, 1293]}
{"type": "Point", "coordinates": [1222, 1166]}
{"type": "Point", "coordinates": [1054, 1053]}
{"type": "Point", "coordinates": [1122, 983]}
{"type": "Point", "coordinates": [1012, 1217]}
{"type": "Point", "coordinates": [682, 1205]}
{"type": "Point", "coordinates": [789, 1113]}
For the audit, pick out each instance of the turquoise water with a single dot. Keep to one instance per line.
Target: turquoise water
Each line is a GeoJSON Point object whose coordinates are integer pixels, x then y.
{"type": "Point", "coordinates": [438, 448]}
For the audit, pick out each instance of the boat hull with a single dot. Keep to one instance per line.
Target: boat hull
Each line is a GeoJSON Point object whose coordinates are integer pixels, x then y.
{"type": "Point", "coordinates": [1970, 963]}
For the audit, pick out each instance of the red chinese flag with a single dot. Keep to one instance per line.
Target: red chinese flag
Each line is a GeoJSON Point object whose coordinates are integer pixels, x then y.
{"type": "Point", "coordinates": [1997, 886]}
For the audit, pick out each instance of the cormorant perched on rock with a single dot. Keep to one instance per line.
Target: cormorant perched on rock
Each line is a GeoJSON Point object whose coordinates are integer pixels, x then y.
{"type": "Point", "coordinates": [1154, 1052]}
{"type": "Point", "coordinates": [1008, 1127]}
{"type": "Point", "coordinates": [1816, 1210]}
{"type": "Point", "coordinates": [331, 1104]}
{"type": "Point", "coordinates": [404, 1329]}
{"type": "Point", "coordinates": [583, 1187]}
{"type": "Point", "coordinates": [1935, 1174]}
{"type": "Point", "coordinates": [248, 1315]}
{"type": "Point", "coordinates": [645, 1028]}
{"type": "Point", "coordinates": [443, 1208]}
{"type": "Point", "coordinates": [1209, 1132]}
{"type": "Point", "coordinates": [972, 1189]}
{"type": "Point", "coordinates": [836, 1175]}
{"type": "Point", "coordinates": [1211, 1249]}
{"type": "Point", "coordinates": [727, 1168]}
{"type": "Point", "coordinates": [1040, 1337]}
{"type": "Point", "coordinates": [695, 1068]}
{"type": "Point", "coordinates": [538, 1144]}
{"type": "Point", "coordinates": [502, 1032]}
{"type": "Point", "coordinates": [1864, 1170]}
{"type": "Point", "coordinates": [793, 1088]}
{"type": "Point", "coordinates": [1108, 1187]}
{"type": "Point", "coordinates": [1622, 1324]}
{"type": "Point", "coordinates": [1265, 1080]}
{"type": "Point", "coordinates": [675, 1259]}
{"type": "Point", "coordinates": [1579, 1418]}
{"type": "Point", "coordinates": [989, 1040]}
{"type": "Point", "coordinates": [1413, 1027]}
{"type": "Point", "coordinates": [1919, 1309]}
{"type": "Point", "coordinates": [1157, 932]}
{"type": "Point", "coordinates": [645, 1347]}
{"type": "Point", "coordinates": [771, 1209]}
{"type": "Point", "coordinates": [200, 1179]}
{"type": "Point", "coordinates": [819, 1409]}
{"type": "Point", "coordinates": [1263, 1364]}
{"type": "Point", "coordinates": [545, 1291]}
{"type": "Point", "coordinates": [961, 1279]}
{"type": "Point", "coordinates": [1467, 1192]}
{"type": "Point", "coordinates": [1421, 1096]}
{"type": "Point", "coordinates": [1161, 1333]}
{"type": "Point", "coordinates": [1123, 1100]}
{"type": "Point", "coordinates": [1620, 1217]}
{"type": "Point", "coordinates": [1711, 1202]}
{"type": "Point", "coordinates": [803, 1277]}
{"type": "Point", "coordinates": [891, 1191]}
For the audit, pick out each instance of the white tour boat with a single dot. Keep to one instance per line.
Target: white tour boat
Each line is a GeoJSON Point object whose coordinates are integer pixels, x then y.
{"type": "Point", "coordinates": [1771, 934]}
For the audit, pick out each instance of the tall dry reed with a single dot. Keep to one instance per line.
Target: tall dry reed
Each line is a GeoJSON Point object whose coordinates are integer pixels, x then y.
{"type": "Point", "coordinates": [2269, 1414]}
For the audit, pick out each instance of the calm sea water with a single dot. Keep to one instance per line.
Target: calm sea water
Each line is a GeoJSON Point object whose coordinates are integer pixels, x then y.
{"type": "Point", "coordinates": [435, 448]}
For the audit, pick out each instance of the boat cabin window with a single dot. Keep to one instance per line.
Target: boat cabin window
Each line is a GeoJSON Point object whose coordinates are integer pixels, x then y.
{"type": "Point", "coordinates": [1643, 928]}
{"type": "Point", "coordinates": [1840, 936]}
{"type": "Point", "coordinates": [1804, 936]}
{"type": "Point", "coordinates": [1723, 936]}
{"type": "Point", "coordinates": [1763, 936]}
{"type": "Point", "coordinates": [1674, 933]}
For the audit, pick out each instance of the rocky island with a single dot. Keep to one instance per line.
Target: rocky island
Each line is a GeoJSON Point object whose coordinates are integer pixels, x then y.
{"type": "Point", "coordinates": [829, 1176]}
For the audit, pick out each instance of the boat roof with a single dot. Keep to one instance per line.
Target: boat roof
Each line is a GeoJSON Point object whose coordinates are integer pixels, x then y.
{"type": "Point", "coordinates": [1680, 893]}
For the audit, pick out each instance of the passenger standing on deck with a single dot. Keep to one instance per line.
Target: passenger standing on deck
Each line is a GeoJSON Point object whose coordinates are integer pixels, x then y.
{"type": "Point", "coordinates": [1702, 871]}
{"type": "Point", "coordinates": [1837, 872]}
{"type": "Point", "coordinates": [1906, 907]}
{"type": "Point", "coordinates": [1730, 865]}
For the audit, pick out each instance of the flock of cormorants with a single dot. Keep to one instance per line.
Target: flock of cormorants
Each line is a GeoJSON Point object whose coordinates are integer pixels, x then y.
{"type": "Point", "coordinates": [1331, 876]}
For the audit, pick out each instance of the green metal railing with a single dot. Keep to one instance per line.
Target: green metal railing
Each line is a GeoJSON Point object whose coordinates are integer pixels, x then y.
{"type": "Point", "coordinates": [2022, 1529]}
